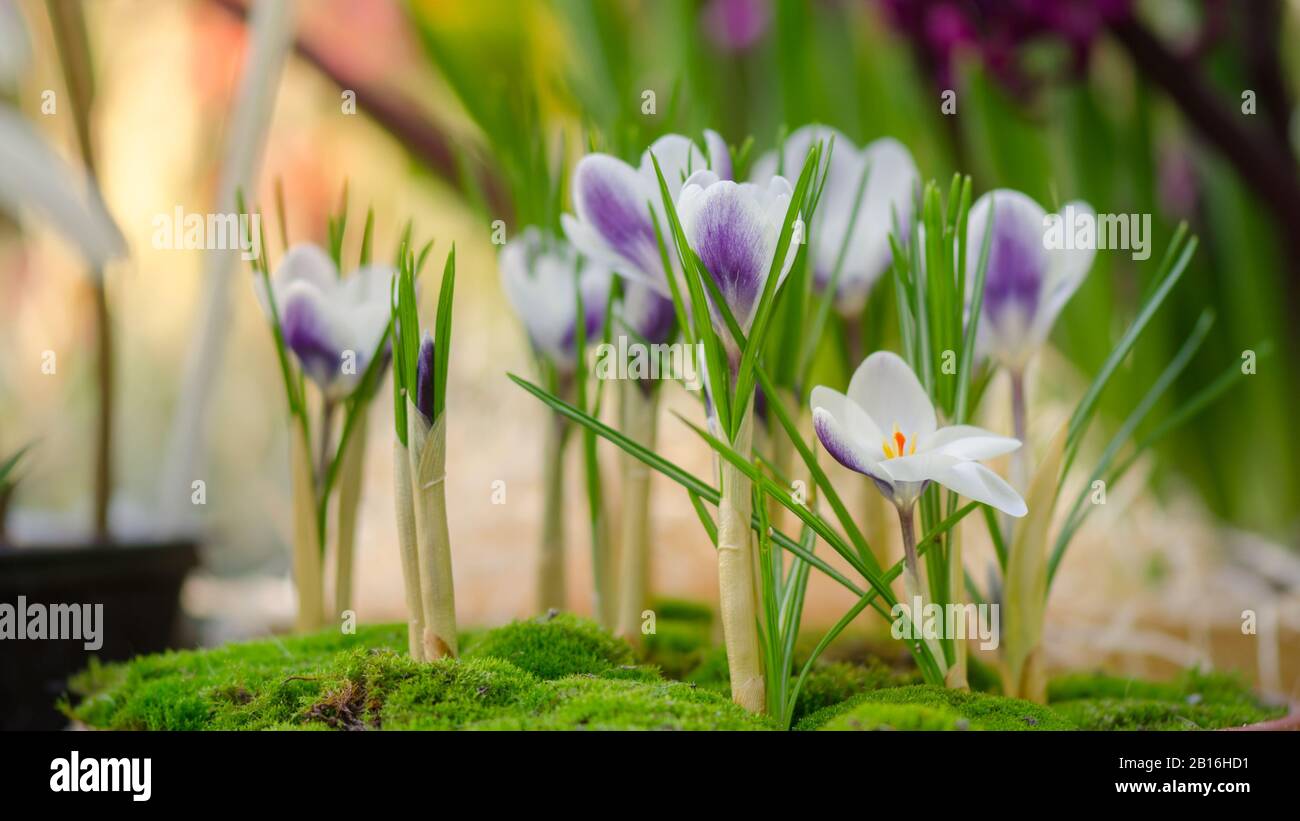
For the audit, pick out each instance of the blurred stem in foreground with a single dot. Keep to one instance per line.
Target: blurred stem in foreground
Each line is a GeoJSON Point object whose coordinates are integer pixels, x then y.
{"type": "Point", "coordinates": [69, 26]}
{"type": "Point", "coordinates": [402, 118]}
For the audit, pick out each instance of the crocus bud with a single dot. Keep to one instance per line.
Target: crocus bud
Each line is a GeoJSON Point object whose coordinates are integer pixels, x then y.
{"type": "Point", "coordinates": [424, 373]}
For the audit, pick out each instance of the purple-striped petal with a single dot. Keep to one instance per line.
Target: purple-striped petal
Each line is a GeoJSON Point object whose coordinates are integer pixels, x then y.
{"type": "Point", "coordinates": [612, 202]}
{"type": "Point", "coordinates": [538, 274]}
{"type": "Point", "coordinates": [734, 229]}
{"type": "Point", "coordinates": [1017, 268]}
{"type": "Point", "coordinates": [650, 315]}
{"type": "Point", "coordinates": [312, 336]}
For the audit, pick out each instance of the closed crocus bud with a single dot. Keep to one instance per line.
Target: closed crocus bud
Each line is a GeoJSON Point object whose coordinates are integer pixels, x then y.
{"type": "Point", "coordinates": [862, 238]}
{"type": "Point", "coordinates": [332, 325]}
{"type": "Point", "coordinates": [734, 229]}
{"type": "Point", "coordinates": [541, 274]}
{"type": "Point", "coordinates": [617, 205]}
{"type": "Point", "coordinates": [1026, 283]}
{"type": "Point", "coordinates": [424, 376]}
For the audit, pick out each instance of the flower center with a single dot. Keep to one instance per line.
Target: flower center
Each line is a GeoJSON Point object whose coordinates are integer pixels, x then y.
{"type": "Point", "coordinates": [898, 445]}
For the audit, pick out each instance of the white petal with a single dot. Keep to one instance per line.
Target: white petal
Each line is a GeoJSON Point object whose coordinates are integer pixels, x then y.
{"type": "Point", "coordinates": [977, 483]}
{"type": "Point", "coordinates": [1066, 270]}
{"type": "Point", "coordinates": [858, 422]}
{"type": "Point", "coordinates": [842, 445]}
{"type": "Point", "coordinates": [364, 297]}
{"type": "Point", "coordinates": [967, 442]}
{"type": "Point", "coordinates": [719, 155]}
{"type": "Point", "coordinates": [885, 387]}
{"type": "Point", "coordinates": [302, 263]}
{"type": "Point", "coordinates": [678, 158]}
{"type": "Point", "coordinates": [891, 180]}
{"type": "Point", "coordinates": [970, 479]}
{"type": "Point", "coordinates": [33, 176]}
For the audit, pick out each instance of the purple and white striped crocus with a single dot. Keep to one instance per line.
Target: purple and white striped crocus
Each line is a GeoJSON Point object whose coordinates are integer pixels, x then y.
{"type": "Point", "coordinates": [1026, 283]}
{"type": "Point", "coordinates": [332, 324]}
{"type": "Point", "coordinates": [617, 205]}
{"type": "Point", "coordinates": [885, 428]}
{"type": "Point", "coordinates": [734, 229]}
{"type": "Point", "coordinates": [863, 239]}
{"type": "Point", "coordinates": [539, 274]}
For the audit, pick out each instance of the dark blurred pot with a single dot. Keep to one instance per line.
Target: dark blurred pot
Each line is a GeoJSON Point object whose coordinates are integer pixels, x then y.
{"type": "Point", "coordinates": [138, 585]}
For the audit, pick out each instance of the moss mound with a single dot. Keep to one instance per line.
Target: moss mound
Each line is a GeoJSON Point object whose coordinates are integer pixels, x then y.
{"type": "Point", "coordinates": [837, 682]}
{"type": "Point", "coordinates": [553, 646]}
{"type": "Point", "coordinates": [1194, 701]}
{"type": "Point", "coordinates": [976, 711]}
{"type": "Point", "coordinates": [683, 638]}
{"type": "Point", "coordinates": [561, 673]}
{"type": "Point", "coordinates": [870, 715]}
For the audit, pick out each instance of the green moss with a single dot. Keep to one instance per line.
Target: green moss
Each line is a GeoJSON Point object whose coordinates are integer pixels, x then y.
{"type": "Point", "coordinates": [677, 647]}
{"type": "Point", "coordinates": [1147, 714]}
{"type": "Point", "coordinates": [980, 711]}
{"type": "Point", "coordinates": [554, 646]}
{"type": "Point", "coordinates": [870, 715]}
{"type": "Point", "coordinates": [712, 672]}
{"type": "Point", "coordinates": [581, 678]}
{"type": "Point", "coordinates": [835, 683]}
{"type": "Point", "coordinates": [1194, 701]}
{"type": "Point", "coordinates": [682, 610]}
{"type": "Point", "coordinates": [596, 703]}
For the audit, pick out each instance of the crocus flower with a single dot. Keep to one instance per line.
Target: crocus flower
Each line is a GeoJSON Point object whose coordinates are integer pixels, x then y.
{"type": "Point", "coordinates": [889, 189]}
{"type": "Point", "coordinates": [539, 273]}
{"type": "Point", "coordinates": [885, 429]}
{"type": "Point", "coordinates": [736, 25]}
{"type": "Point", "coordinates": [1026, 284]}
{"type": "Point", "coordinates": [614, 223]}
{"type": "Point", "coordinates": [424, 374]}
{"type": "Point", "coordinates": [333, 325]}
{"type": "Point", "coordinates": [734, 229]}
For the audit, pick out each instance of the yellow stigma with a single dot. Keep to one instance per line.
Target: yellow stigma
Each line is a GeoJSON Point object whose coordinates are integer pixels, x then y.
{"type": "Point", "coordinates": [897, 445]}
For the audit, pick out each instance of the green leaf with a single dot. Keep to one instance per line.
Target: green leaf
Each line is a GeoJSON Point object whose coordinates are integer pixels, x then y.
{"type": "Point", "coordinates": [1088, 405]}
{"type": "Point", "coordinates": [758, 333]}
{"type": "Point", "coordinates": [442, 333]}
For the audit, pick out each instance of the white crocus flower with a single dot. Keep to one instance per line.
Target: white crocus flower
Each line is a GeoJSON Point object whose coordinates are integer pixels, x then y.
{"type": "Point", "coordinates": [885, 429]}
{"type": "Point", "coordinates": [857, 242]}
{"type": "Point", "coordinates": [539, 274]}
{"type": "Point", "coordinates": [332, 324]}
{"type": "Point", "coordinates": [1026, 284]}
{"type": "Point", "coordinates": [735, 228]}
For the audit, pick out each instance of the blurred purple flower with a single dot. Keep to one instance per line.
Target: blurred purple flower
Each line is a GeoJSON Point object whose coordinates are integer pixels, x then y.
{"type": "Point", "coordinates": [735, 25]}
{"type": "Point", "coordinates": [998, 29]}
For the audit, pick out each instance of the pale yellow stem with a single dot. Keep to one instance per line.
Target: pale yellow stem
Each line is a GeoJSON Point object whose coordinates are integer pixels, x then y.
{"type": "Point", "coordinates": [406, 542]}
{"type": "Point", "coordinates": [306, 542]}
{"type": "Point", "coordinates": [956, 676]}
{"type": "Point", "coordinates": [350, 474]}
{"type": "Point", "coordinates": [736, 578]}
{"type": "Point", "coordinates": [638, 422]}
{"type": "Point", "coordinates": [428, 476]}
{"type": "Point", "coordinates": [551, 592]}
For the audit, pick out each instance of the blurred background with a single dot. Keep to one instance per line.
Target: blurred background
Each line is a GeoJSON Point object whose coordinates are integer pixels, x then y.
{"type": "Point", "coordinates": [1136, 107]}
